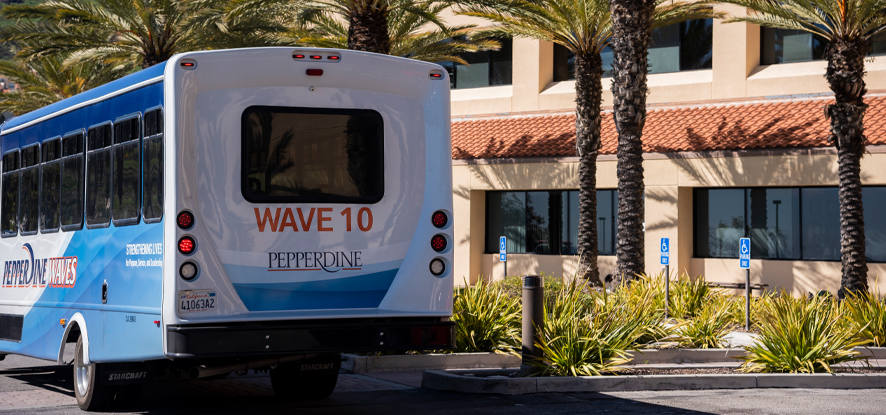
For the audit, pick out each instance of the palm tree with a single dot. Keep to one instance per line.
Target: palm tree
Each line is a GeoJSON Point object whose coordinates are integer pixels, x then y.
{"type": "Point", "coordinates": [631, 33]}
{"type": "Point", "coordinates": [47, 80]}
{"type": "Point", "coordinates": [143, 31]}
{"type": "Point", "coordinates": [848, 26]}
{"type": "Point", "coordinates": [583, 27]}
{"type": "Point", "coordinates": [411, 35]}
{"type": "Point", "coordinates": [367, 20]}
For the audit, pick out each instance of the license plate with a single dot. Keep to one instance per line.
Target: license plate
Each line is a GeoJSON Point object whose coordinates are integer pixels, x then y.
{"type": "Point", "coordinates": [196, 301]}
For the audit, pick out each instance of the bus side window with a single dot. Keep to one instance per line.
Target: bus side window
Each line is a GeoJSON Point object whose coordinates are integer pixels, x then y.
{"type": "Point", "coordinates": [9, 199]}
{"type": "Point", "coordinates": [29, 197]}
{"type": "Point", "coordinates": [50, 182]}
{"type": "Point", "coordinates": [127, 171]}
{"type": "Point", "coordinates": [72, 182]}
{"type": "Point", "coordinates": [98, 176]}
{"type": "Point", "coordinates": [153, 166]}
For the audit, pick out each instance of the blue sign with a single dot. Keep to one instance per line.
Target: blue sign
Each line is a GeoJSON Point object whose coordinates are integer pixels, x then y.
{"type": "Point", "coordinates": [665, 250]}
{"type": "Point", "coordinates": [503, 248]}
{"type": "Point", "coordinates": [744, 253]}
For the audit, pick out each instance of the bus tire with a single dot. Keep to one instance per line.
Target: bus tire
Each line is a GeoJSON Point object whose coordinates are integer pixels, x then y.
{"type": "Point", "coordinates": [291, 384]}
{"type": "Point", "coordinates": [91, 393]}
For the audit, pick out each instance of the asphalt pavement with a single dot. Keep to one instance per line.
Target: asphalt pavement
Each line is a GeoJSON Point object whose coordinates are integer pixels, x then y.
{"type": "Point", "coordinates": [35, 386]}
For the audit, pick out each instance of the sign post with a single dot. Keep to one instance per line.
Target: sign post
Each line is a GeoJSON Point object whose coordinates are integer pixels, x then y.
{"type": "Point", "coordinates": [744, 261]}
{"type": "Point", "coordinates": [503, 252]}
{"type": "Point", "coordinates": [665, 260]}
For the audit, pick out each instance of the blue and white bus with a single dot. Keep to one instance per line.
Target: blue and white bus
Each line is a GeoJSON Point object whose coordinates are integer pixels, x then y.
{"type": "Point", "coordinates": [230, 210]}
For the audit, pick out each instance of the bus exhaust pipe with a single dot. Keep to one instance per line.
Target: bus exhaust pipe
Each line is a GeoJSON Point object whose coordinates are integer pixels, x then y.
{"type": "Point", "coordinates": [205, 371]}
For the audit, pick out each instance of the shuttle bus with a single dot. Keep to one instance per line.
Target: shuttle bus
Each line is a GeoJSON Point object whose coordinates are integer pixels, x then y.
{"type": "Point", "coordinates": [230, 210]}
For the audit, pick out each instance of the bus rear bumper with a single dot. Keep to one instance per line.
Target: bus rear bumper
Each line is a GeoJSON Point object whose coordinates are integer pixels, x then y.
{"type": "Point", "coordinates": [309, 336]}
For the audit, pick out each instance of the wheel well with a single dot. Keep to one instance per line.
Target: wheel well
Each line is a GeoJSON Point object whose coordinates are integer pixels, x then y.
{"type": "Point", "coordinates": [74, 334]}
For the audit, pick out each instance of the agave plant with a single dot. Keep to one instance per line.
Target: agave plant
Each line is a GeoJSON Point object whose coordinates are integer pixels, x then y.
{"type": "Point", "coordinates": [867, 316]}
{"type": "Point", "coordinates": [804, 335]}
{"type": "Point", "coordinates": [486, 320]}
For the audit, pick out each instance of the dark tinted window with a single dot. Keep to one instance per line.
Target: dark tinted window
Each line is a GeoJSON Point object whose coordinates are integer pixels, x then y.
{"type": "Point", "coordinates": [127, 167]}
{"type": "Point", "coordinates": [98, 176]}
{"type": "Point", "coordinates": [719, 222]}
{"type": "Point", "coordinates": [485, 68]}
{"type": "Point", "coordinates": [821, 223]}
{"type": "Point", "coordinates": [29, 198]}
{"type": "Point", "coordinates": [72, 182]}
{"type": "Point", "coordinates": [293, 155]}
{"type": "Point", "coordinates": [9, 202]}
{"type": "Point", "coordinates": [774, 223]}
{"type": "Point", "coordinates": [153, 166]}
{"type": "Point", "coordinates": [874, 223]}
{"type": "Point", "coordinates": [50, 185]}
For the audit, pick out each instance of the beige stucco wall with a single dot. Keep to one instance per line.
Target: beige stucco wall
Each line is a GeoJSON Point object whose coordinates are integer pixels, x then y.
{"type": "Point", "coordinates": [669, 209]}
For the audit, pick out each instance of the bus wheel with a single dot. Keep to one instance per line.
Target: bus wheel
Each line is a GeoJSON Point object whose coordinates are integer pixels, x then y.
{"type": "Point", "coordinates": [289, 382]}
{"type": "Point", "coordinates": [91, 393]}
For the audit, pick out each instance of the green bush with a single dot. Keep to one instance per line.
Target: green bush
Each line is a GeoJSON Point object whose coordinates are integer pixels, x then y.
{"type": "Point", "coordinates": [867, 316]}
{"type": "Point", "coordinates": [706, 330]}
{"type": "Point", "coordinates": [512, 286]}
{"type": "Point", "coordinates": [486, 320]}
{"type": "Point", "coordinates": [687, 297]}
{"type": "Point", "coordinates": [801, 335]}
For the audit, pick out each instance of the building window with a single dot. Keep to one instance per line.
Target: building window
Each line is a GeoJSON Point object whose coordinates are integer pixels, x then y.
{"type": "Point", "coordinates": [782, 223]}
{"type": "Point", "coordinates": [546, 222]}
{"type": "Point", "coordinates": [684, 46]}
{"type": "Point", "coordinates": [486, 68]}
{"type": "Point", "coordinates": [789, 46]}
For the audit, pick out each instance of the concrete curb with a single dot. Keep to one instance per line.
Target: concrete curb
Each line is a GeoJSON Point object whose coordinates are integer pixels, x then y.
{"type": "Point", "coordinates": [497, 381]}
{"type": "Point", "coordinates": [685, 355]}
{"type": "Point", "coordinates": [406, 363]}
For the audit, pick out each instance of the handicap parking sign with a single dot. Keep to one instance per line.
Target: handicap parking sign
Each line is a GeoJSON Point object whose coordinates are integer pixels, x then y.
{"type": "Point", "coordinates": [744, 253]}
{"type": "Point", "coordinates": [503, 248]}
{"type": "Point", "coordinates": [665, 250]}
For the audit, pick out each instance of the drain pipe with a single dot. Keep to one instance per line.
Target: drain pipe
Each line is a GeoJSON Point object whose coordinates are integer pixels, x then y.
{"type": "Point", "coordinates": [533, 319]}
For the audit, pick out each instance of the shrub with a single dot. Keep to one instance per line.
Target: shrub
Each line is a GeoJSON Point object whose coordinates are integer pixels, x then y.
{"type": "Point", "coordinates": [801, 335]}
{"type": "Point", "coordinates": [512, 286]}
{"type": "Point", "coordinates": [867, 316]}
{"type": "Point", "coordinates": [486, 320]}
{"type": "Point", "coordinates": [707, 329]}
{"type": "Point", "coordinates": [587, 338]}
{"type": "Point", "coordinates": [687, 297]}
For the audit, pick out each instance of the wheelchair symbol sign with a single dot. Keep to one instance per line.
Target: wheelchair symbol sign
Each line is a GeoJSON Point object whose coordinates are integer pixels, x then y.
{"type": "Point", "coordinates": [503, 248]}
{"type": "Point", "coordinates": [744, 253]}
{"type": "Point", "coordinates": [665, 250]}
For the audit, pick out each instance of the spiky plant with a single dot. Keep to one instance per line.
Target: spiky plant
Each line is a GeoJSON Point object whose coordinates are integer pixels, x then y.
{"type": "Point", "coordinates": [867, 313]}
{"type": "Point", "coordinates": [848, 26]}
{"type": "Point", "coordinates": [486, 320]}
{"type": "Point", "coordinates": [584, 28]}
{"type": "Point", "coordinates": [707, 329]}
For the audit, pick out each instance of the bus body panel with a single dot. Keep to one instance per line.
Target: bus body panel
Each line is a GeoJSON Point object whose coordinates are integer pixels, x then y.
{"type": "Point", "coordinates": [67, 269]}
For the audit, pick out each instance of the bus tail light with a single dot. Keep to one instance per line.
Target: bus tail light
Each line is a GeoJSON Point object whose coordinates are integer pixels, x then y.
{"type": "Point", "coordinates": [187, 245]}
{"type": "Point", "coordinates": [188, 271]}
{"type": "Point", "coordinates": [439, 219]}
{"type": "Point", "coordinates": [437, 267]}
{"type": "Point", "coordinates": [185, 220]}
{"type": "Point", "coordinates": [314, 72]}
{"type": "Point", "coordinates": [438, 243]}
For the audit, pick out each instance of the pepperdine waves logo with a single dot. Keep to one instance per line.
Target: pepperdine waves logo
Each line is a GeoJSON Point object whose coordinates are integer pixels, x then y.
{"type": "Point", "coordinates": [59, 272]}
{"type": "Point", "coordinates": [315, 261]}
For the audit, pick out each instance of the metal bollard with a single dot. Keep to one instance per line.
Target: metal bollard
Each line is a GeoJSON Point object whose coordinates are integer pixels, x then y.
{"type": "Point", "coordinates": [533, 317]}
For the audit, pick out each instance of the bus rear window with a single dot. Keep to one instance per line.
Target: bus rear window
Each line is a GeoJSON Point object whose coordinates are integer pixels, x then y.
{"type": "Point", "coordinates": [306, 155]}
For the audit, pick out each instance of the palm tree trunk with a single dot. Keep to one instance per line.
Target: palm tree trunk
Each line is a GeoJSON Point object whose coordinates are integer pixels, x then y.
{"type": "Point", "coordinates": [631, 32]}
{"type": "Point", "coordinates": [588, 97]}
{"type": "Point", "coordinates": [368, 29]}
{"type": "Point", "coordinates": [845, 75]}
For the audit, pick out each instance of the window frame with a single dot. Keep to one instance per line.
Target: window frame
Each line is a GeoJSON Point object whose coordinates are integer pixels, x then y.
{"type": "Point", "coordinates": [87, 151]}
{"type": "Point", "coordinates": [113, 147]}
{"type": "Point", "coordinates": [76, 227]}
{"type": "Point", "coordinates": [5, 234]}
{"type": "Point", "coordinates": [43, 163]}
{"type": "Point", "coordinates": [244, 157]}
{"type": "Point", "coordinates": [22, 170]}
{"type": "Point", "coordinates": [159, 136]}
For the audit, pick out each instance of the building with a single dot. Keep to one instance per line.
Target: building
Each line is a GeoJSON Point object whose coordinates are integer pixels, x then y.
{"type": "Point", "coordinates": [735, 145]}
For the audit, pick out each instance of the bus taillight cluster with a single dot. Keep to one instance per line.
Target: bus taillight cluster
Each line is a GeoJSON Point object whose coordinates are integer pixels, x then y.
{"type": "Point", "coordinates": [186, 245]}
{"type": "Point", "coordinates": [439, 243]}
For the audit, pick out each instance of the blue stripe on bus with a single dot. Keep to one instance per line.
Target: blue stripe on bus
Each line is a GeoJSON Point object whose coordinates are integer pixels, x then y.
{"type": "Point", "coordinates": [312, 295]}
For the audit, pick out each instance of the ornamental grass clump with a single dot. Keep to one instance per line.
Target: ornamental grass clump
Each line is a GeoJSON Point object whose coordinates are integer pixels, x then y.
{"type": "Point", "coordinates": [708, 329]}
{"type": "Point", "coordinates": [867, 316]}
{"type": "Point", "coordinates": [486, 320]}
{"type": "Point", "coordinates": [688, 297]}
{"type": "Point", "coordinates": [590, 338]}
{"type": "Point", "coordinates": [801, 335]}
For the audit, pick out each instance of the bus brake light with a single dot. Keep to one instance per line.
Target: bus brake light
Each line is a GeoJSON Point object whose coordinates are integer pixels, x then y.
{"type": "Point", "coordinates": [314, 72]}
{"type": "Point", "coordinates": [438, 243]}
{"type": "Point", "coordinates": [185, 220]}
{"type": "Point", "coordinates": [187, 245]}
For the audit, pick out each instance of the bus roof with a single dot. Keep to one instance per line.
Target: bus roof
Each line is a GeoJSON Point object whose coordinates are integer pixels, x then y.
{"type": "Point", "coordinates": [92, 94]}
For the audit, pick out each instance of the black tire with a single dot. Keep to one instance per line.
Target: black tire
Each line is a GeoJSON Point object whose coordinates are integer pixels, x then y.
{"type": "Point", "coordinates": [291, 383]}
{"type": "Point", "coordinates": [91, 393]}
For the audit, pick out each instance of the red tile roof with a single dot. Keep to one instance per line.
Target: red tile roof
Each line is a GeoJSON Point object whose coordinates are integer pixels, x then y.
{"type": "Point", "coordinates": [739, 126]}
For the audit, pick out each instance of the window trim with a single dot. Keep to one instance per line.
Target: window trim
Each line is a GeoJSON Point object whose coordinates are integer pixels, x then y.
{"type": "Point", "coordinates": [5, 234]}
{"type": "Point", "coordinates": [244, 157]}
{"type": "Point", "coordinates": [77, 227]}
{"type": "Point", "coordinates": [22, 169]}
{"type": "Point", "coordinates": [87, 150]}
{"type": "Point", "coordinates": [44, 163]}
{"type": "Point", "coordinates": [114, 145]}
{"type": "Point", "coordinates": [159, 136]}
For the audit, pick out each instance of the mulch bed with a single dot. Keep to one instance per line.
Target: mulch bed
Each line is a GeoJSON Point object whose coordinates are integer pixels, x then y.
{"type": "Point", "coordinates": [731, 371]}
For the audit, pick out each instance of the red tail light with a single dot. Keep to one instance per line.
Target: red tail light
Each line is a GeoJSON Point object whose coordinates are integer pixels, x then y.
{"type": "Point", "coordinates": [185, 220]}
{"type": "Point", "coordinates": [439, 219]}
{"type": "Point", "coordinates": [316, 57]}
{"type": "Point", "coordinates": [314, 72]}
{"type": "Point", "coordinates": [187, 245]}
{"type": "Point", "coordinates": [438, 243]}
